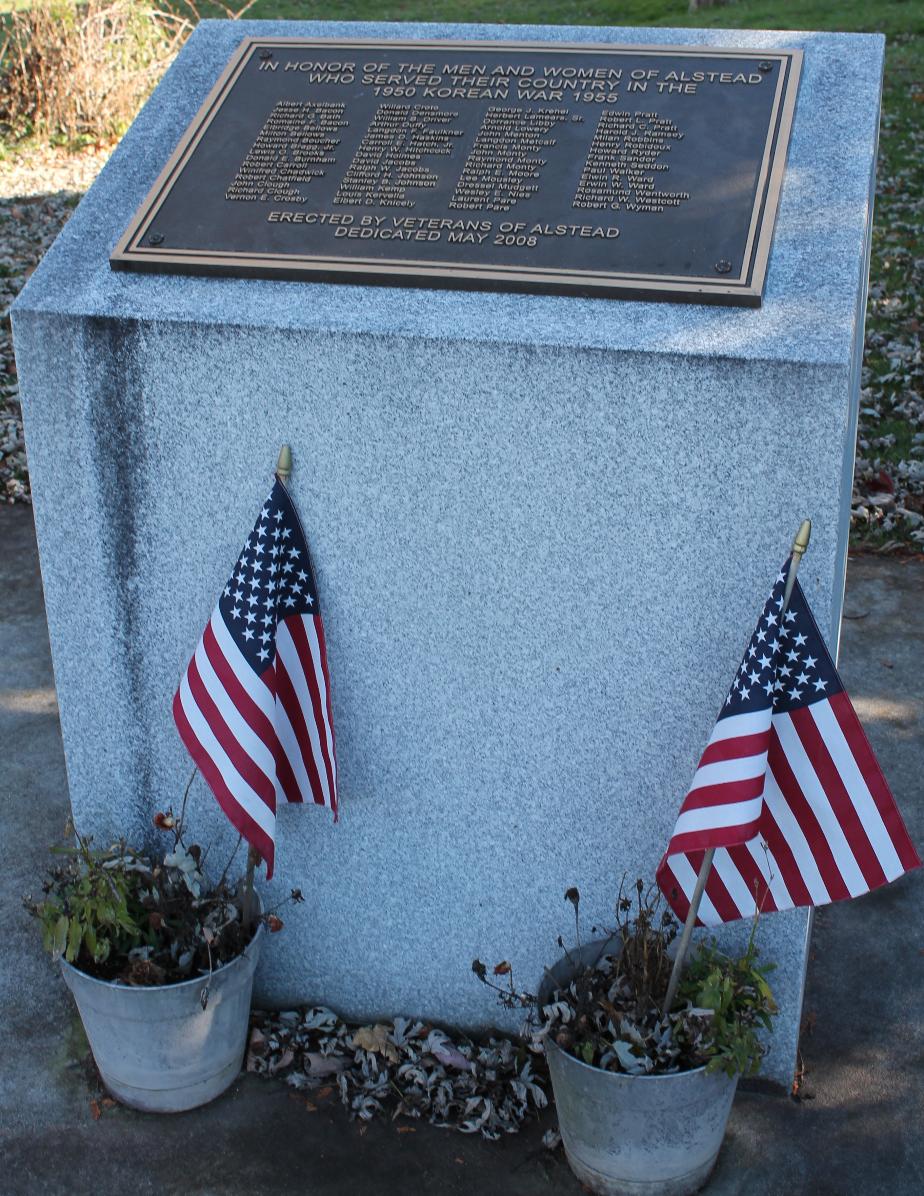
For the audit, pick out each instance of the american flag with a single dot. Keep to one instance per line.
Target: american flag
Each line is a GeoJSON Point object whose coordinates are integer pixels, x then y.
{"type": "Point", "coordinates": [788, 790]}
{"type": "Point", "coordinates": [254, 708]}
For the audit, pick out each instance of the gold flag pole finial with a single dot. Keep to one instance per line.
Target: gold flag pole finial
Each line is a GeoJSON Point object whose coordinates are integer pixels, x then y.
{"type": "Point", "coordinates": [284, 464]}
{"type": "Point", "coordinates": [799, 545]}
{"type": "Point", "coordinates": [803, 535]}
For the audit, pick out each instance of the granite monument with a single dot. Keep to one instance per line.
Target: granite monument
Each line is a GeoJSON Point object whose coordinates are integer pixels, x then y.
{"type": "Point", "coordinates": [541, 525]}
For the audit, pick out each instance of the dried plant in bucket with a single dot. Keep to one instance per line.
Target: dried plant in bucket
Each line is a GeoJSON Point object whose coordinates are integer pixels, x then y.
{"type": "Point", "coordinates": [643, 1091]}
{"type": "Point", "coordinates": [610, 1011]}
{"type": "Point", "coordinates": [160, 960]}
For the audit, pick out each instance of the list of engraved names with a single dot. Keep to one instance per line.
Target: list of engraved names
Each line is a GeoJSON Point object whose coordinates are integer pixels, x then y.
{"type": "Point", "coordinates": [418, 138]}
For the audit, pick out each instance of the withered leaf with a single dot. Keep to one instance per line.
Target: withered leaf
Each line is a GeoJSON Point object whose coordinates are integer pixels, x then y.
{"type": "Point", "coordinates": [375, 1039]}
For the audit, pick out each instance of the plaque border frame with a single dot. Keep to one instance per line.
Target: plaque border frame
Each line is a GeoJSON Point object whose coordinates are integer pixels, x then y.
{"type": "Point", "coordinates": [746, 290]}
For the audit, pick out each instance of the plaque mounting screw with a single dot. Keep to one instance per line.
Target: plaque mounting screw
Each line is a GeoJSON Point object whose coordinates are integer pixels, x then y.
{"type": "Point", "coordinates": [156, 239]}
{"type": "Point", "coordinates": [723, 267]}
{"type": "Point", "coordinates": [264, 54]}
{"type": "Point", "coordinates": [765, 66]}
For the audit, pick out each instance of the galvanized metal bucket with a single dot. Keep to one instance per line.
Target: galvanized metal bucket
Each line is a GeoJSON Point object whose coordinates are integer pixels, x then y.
{"type": "Point", "coordinates": [156, 1048]}
{"type": "Point", "coordinates": [635, 1135]}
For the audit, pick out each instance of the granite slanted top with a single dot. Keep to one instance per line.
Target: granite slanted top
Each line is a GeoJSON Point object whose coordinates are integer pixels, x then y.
{"type": "Point", "coordinates": [816, 275]}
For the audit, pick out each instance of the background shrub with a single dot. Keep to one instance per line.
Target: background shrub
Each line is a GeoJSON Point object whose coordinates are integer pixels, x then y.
{"type": "Point", "coordinates": [82, 71]}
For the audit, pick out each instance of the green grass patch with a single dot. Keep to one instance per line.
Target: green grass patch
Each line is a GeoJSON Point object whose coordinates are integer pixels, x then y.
{"type": "Point", "coordinates": [881, 16]}
{"type": "Point", "coordinates": [891, 17]}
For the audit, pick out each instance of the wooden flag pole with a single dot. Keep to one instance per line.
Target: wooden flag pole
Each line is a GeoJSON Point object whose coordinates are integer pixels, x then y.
{"type": "Point", "coordinates": [799, 545]}
{"type": "Point", "coordinates": [283, 472]}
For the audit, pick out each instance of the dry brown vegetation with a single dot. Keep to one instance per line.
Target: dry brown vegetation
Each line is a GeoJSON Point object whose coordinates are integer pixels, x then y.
{"type": "Point", "coordinates": [83, 71]}
{"type": "Point", "coordinates": [76, 71]}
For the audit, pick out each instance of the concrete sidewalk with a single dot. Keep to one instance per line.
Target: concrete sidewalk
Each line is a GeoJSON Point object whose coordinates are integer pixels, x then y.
{"type": "Point", "coordinates": [858, 1128]}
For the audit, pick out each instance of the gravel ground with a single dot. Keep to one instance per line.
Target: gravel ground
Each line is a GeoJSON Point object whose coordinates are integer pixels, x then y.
{"type": "Point", "coordinates": [38, 191]}
{"type": "Point", "coordinates": [40, 188]}
{"type": "Point", "coordinates": [888, 499]}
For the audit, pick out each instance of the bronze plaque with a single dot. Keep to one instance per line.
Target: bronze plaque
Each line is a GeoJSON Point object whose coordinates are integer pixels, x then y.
{"type": "Point", "coordinates": [639, 171]}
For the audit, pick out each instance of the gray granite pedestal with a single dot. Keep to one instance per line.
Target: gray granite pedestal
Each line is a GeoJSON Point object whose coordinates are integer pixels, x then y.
{"type": "Point", "coordinates": [542, 526]}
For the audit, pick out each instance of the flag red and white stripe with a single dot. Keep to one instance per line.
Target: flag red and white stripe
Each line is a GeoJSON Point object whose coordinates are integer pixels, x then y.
{"type": "Point", "coordinates": [788, 791]}
{"type": "Point", "coordinates": [254, 705]}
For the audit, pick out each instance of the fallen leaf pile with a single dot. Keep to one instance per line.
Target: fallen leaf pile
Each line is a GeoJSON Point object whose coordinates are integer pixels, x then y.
{"type": "Point", "coordinates": [887, 507]}
{"type": "Point", "coordinates": [402, 1068]}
